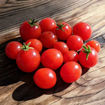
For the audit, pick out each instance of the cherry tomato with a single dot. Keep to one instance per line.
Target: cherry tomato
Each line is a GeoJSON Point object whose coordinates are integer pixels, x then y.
{"type": "Point", "coordinates": [63, 31]}
{"type": "Point", "coordinates": [61, 46]}
{"type": "Point", "coordinates": [94, 44]}
{"type": "Point", "coordinates": [12, 49]}
{"type": "Point", "coordinates": [45, 78]}
{"type": "Point", "coordinates": [48, 39]}
{"type": "Point", "coordinates": [88, 57]}
{"type": "Point", "coordinates": [75, 42]}
{"type": "Point", "coordinates": [47, 24]}
{"type": "Point", "coordinates": [35, 43]}
{"type": "Point", "coordinates": [70, 56]}
{"type": "Point", "coordinates": [29, 30]}
{"type": "Point", "coordinates": [52, 58]}
{"type": "Point", "coordinates": [28, 59]}
{"type": "Point", "coordinates": [70, 72]}
{"type": "Point", "coordinates": [83, 30]}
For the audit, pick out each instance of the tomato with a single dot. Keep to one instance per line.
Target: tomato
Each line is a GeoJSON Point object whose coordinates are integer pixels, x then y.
{"type": "Point", "coordinates": [70, 72]}
{"type": "Point", "coordinates": [88, 57]}
{"type": "Point", "coordinates": [48, 39]}
{"type": "Point", "coordinates": [75, 42]}
{"type": "Point", "coordinates": [28, 59]}
{"type": "Point", "coordinates": [94, 44]}
{"type": "Point", "coordinates": [63, 31]}
{"type": "Point", "coordinates": [61, 46]}
{"type": "Point", "coordinates": [83, 30]}
{"type": "Point", "coordinates": [70, 56]}
{"type": "Point", "coordinates": [12, 49]}
{"type": "Point", "coordinates": [47, 24]}
{"type": "Point", "coordinates": [35, 43]}
{"type": "Point", "coordinates": [52, 58]}
{"type": "Point", "coordinates": [29, 30]}
{"type": "Point", "coordinates": [45, 78]}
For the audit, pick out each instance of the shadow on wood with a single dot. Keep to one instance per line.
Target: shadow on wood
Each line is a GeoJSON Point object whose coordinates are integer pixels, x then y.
{"type": "Point", "coordinates": [29, 90]}
{"type": "Point", "coordinates": [10, 74]}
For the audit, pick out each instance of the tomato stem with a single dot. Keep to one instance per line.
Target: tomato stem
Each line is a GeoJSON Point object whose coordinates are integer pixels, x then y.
{"type": "Point", "coordinates": [87, 50]}
{"type": "Point", "coordinates": [33, 22]}
{"type": "Point", "coordinates": [60, 26]}
{"type": "Point", "coordinates": [26, 47]}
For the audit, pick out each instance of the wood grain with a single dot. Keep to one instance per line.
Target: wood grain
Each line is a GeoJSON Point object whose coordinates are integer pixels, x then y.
{"type": "Point", "coordinates": [17, 88]}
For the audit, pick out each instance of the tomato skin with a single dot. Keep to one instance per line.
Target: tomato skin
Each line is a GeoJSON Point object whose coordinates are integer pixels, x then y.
{"type": "Point", "coordinates": [48, 39]}
{"type": "Point", "coordinates": [35, 43]}
{"type": "Point", "coordinates": [52, 58]}
{"type": "Point", "coordinates": [61, 46]}
{"type": "Point", "coordinates": [47, 24]}
{"type": "Point", "coordinates": [12, 49]}
{"type": "Point", "coordinates": [45, 78]}
{"type": "Point", "coordinates": [28, 61]}
{"type": "Point", "coordinates": [92, 58]}
{"type": "Point", "coordinates": [94, 44]}
{"type": "Point", "coordinates": [70, 56]}
{"type": "Point", "coordinates": [65, 32]}
{"type": "Point", "coordinates": [70, 72]}
{"type": "Point", "coordinates": [29, 32]}
{"type": "Point", "coordinates": [83, 30]}
{"type": "Point", "coordinates": [75, 42]}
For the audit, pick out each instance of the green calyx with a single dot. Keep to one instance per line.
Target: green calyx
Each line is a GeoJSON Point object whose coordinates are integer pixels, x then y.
{"type": "Point", "coordinates": [87, 50]}
{"type": "Point", "coordinates": [26, 47]}
{"type": "Point", "coordinates": [60, 26]}
{"type": "Point", "coordinates": [33, 22]}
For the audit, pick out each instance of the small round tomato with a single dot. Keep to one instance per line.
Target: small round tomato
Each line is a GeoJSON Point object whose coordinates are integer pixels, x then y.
{"type": "Point", "coordinates": [28, 59]}
{"type": "Point", "coordinates": [70, 72]}
{"type": "Point", "coordinates": [75, 42]}
{"type": "Point", "coordinates": [45, 78]}
{"type": "Point", "coordinates": [47, 24]}
{"type": "Point", "coordinates": [83, 30]}
{"type": "Point", "coordinates": [35, 43]}
{"type": "Point", "coordinates": [70, 56]}
{"type": "Point", "coordinates": [52, 58]}
{"type": "Point", "coordinates": [88, 57]}
{"type": "Point", "coordinates": [48, 39]}
{"type": "Point", "coordinates": [12, 49]}
{"type": "Point", "coordinates": [63, 31]}
{"type": "Point", "coordinates": [29, 30]}
{"type": "Point", "coordinates": [94, 44]}
{"type": "Point", "coordinates": [61, 46]}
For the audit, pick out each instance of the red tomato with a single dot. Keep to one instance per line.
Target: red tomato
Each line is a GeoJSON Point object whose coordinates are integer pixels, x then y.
{"type": "Point", "coordinates": [94, 44]}
{"type": "Point", "coordinates": [52, 58]}
{"type": "Point", "coordinates": [35, 43]}
{"type": "Point", "coordinates": [47, 24]}
{"type": "Point", "coordinates": [63, 31]}
{"type": "Point", "coordinates": [12, 49]}
{"type": "Point", "coordinates": [83, 30]}
{"type": "Point", "coordinates": [70, 56]}
{"type": "Point", "coordinates": [28, 59]}
{"type": "Point", "coordinates": [61, 46]}
{"type": "Point", "coordinates": [48, 39]}
{"type": "Point", "coordinates": [88, 57]}
{"type": "Point", "coordinates": [30, 30]}
{"type": "Point", "coordinates": [70, 72]}
{"type": "Point", "coordinates": [45, 78]}
{"type": "Point", "coordinates": [75, 42]}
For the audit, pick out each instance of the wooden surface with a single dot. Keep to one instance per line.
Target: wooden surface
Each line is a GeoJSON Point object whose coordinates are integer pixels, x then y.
{"type": "Point", "coordinates": [17, 88]}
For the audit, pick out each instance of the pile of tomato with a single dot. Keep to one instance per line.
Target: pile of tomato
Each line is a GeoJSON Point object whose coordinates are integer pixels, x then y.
{"type": "Point", "coordinates": [54, 46]}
